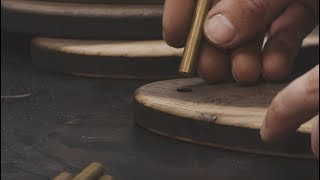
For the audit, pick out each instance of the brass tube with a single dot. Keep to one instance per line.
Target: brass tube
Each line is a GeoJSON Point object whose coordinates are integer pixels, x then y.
{"type": "Point", "coordinates": [91, 172]}
{"type": "Point", "coordinates": [191, 51]}
{"type": "Point", "coordinates": [64, 176]}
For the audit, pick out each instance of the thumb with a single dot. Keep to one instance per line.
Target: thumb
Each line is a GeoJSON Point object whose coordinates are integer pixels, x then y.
{"type": "Point", "coordinates": [231, 22]}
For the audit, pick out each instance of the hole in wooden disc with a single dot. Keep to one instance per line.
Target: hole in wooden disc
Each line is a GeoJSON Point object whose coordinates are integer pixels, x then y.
{"type": "Point", "coordinates": [184, 90]}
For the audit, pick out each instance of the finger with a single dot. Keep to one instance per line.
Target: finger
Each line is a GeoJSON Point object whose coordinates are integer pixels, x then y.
{"type": "Point", "coordinates": [285, 39]}
{"type": "Point", "coordinates": [231, 23]}
{"type": "Point", "coordinates": [296, 104]}
{"type": "Point", "coordinates": [247, 63]}
{"type": "Point", "coordinates": [315, 137]}
{"type": "Point", "coordinates": [177, 17]}
{"type": "Point", "coordinates": [214, 65]}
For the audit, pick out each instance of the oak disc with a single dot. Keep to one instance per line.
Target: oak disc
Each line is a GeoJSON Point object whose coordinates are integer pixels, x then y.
{"type": "Point", "coordinates": [82, 20]}
{"type": "Point", "coordinates": [108, 59]}
{"type": "Point", "coordinates": [221, 116]}
{"type": "Point", "coordinates": [110, 1]}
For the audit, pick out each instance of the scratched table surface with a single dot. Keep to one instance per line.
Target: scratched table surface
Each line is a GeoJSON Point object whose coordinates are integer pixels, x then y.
{"type": "Point", "coordinates": [53, 122]}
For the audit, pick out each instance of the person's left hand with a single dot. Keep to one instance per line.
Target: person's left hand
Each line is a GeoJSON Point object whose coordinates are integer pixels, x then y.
{"type": "Point", "coordinates": [295, 105]}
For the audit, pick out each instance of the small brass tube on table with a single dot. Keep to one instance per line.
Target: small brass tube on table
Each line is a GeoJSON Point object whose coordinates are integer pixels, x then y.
{"type": "Point", "coordinates": [64, 176]}
{"type": "Point", "coordinates": [191, 51]}
{"type": "Point", "coordinates": [92, 172]}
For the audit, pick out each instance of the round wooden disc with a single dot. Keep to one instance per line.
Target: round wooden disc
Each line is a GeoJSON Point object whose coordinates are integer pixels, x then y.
{"type": "Point", "coordinates": [111, 1]}
{"type": "Point", "coordinates": [312, 39]}
{"type": "Point", "coordinates": [110, 21]}
{"type": "Point", "coordinates": [112, 59]}
{"type": "Point", "coordinates": [223, 116]}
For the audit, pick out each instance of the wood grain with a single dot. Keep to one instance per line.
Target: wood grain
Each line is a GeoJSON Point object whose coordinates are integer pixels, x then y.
{"type": "Point", "coordinates": [84, 20]}
{"type": "Point", "coordinates": [223, 116]}
{"type": "Point", "coordinates": [111, 59]}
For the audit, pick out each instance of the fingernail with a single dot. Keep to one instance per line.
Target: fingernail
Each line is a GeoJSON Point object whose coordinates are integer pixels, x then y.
{"type": "Point", "coordinates": [163, 35]}
{"type": "Point", "coordinates": [220, 30]}
{"type": "Point", "coordinates": [234, 75]}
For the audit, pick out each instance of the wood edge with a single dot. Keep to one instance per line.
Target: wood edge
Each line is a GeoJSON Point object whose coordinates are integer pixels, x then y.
{"type": "Point", "coordinates": [140, 100]}
{"type": "Point", "coordinates": [122, 76]}
{"type": "Point", "coordinates": [125, 2]}
{"type": "Point", "coordinates": [66, 8]}
{"type": "Point", "coordinates": [43, 21]}
{"type": "Point", "coordinates": [310, 41]}
{"type": "Point", "coordinates": [278, 153]}
{"type": "Point", "coordinates": [138, 93]}
{"type": "Point", "coordinates": [232, 148]}
{"type": "Point", "coordinates": [39, 42]}
{"type": "Point", "coordinates": [39, 53]}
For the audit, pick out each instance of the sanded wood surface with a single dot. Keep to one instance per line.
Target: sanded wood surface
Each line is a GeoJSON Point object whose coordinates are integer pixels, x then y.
{"type": "Point", "coordinates": [113, 59]}
{"type": "Point", "coordinates": [85, 20]}
{"type": "Point", "coordinates": [224, 115]}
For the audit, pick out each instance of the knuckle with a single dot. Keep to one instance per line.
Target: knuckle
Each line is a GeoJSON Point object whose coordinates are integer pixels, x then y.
{"type": "Point", "coordinates": [311, 8]}
{"type": "Point", "coordinates": [257, 7]}
{"type": "Point", "coordinates": [277, 106]}
{"type": "Point", "coordinates": [276, 71]}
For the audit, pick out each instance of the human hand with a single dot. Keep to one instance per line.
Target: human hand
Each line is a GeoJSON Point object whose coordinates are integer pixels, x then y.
{"type": "Point", "coordinates": [235, 30]}
{"type": "Point", "coordinates": [295, 105]}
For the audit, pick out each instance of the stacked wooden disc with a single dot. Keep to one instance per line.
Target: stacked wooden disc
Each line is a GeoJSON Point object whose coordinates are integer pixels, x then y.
{"type": "Point", "coordinates": [151, 59]}
{"type": "Point", "coordinates": [83, 19]}
{"type": "Point", "coordinates": [95, 38]}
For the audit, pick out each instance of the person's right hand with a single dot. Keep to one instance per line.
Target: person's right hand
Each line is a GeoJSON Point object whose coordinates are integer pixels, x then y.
{"type": "Point", "coordinates": [238, 27]}
{"type": "Point", "coordinates": [293, 106]}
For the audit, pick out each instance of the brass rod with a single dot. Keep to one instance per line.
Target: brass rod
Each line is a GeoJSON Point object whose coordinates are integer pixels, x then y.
{"type": "Point", "coordinates": [191, 51]}
{"type": "Point", "coordinates": [92, 172]}
{"type": "Point", "coordinates": [64, 176]}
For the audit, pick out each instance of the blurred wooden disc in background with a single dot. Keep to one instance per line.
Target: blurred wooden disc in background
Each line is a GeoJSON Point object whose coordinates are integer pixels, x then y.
{"type": "Point", "coordinates": [312, 39]}
{"type": "Point", "coordinates": [82, 20]}
{"type": "Point", "coordinates": [111, 59]}
{"type": "Point", "coordinates": [222, 116]}
{"type": "Point", "coordinates": [110, 1]}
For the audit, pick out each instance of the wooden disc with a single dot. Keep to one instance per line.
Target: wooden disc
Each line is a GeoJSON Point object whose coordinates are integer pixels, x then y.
{"type": "Point", "coordinates": [112, 59]}
{"type": "Point", "coordinates": [111, 1]}
{"type": "Point", "coordinates": [85, 20]}
{"type": "Point", "coordinates": [221, 116]}
{"type": "Point", "coordinates": [312, 39]}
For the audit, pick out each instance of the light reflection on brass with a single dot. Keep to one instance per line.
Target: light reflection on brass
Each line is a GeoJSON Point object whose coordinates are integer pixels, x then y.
{"type": "Point", "coordinates": [191, 51]}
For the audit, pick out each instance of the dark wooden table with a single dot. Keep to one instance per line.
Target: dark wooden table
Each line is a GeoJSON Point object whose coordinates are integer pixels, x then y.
{"type": "Point", "coordinates": [64, 123]}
